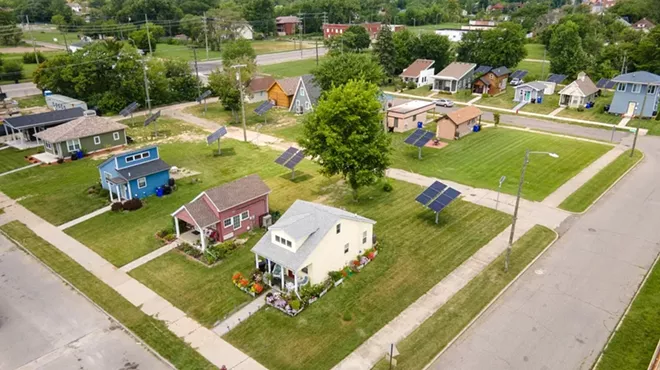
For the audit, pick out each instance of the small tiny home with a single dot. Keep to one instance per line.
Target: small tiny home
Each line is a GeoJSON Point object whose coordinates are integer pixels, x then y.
{"type": "Point", "coordinates": [306, 95]}
{"type": "Point", "coordinates": [281, 91]}
{"type": "Point", "coordinates": [578, 93]}
{"type": "Point", "coordinates": [529, 92]}
{"type": "Point", "coordinates": [456, 76]}
{"type": "Point", "coordinates": [492, 82]}
{"type": "Point", "coordinates": [24, 128]}
{"type": "Point", "coordinates": [631, 89]}
{"type": "Point", "coordinates": [458, 123]}
{"type": "Point", "coordinates": [258, 89]}
{"type": "Point", "coordinates": [420, 72]}
{"type": "Point", "coordinates": [406, 116]}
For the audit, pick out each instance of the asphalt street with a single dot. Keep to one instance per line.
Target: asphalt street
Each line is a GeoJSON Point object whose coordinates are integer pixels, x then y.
{"type": "Point", "coordinates": [560, 313]}
{"type": "Point", "coordinates": [265, 59]}
{"type": "Point", "coordinates": [44, 324]}
{"type": "Point", "coordinates": [20, 89]}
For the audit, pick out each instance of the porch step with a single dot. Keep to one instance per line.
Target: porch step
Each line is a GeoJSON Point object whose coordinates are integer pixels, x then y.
{"type": "Point", "coordinates": [519, 106]}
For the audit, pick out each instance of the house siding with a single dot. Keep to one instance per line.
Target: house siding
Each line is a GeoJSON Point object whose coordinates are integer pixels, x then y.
{"type": "Point", "coordinates": [299, 100]}
{"type": "Point", "coordinates": [154, 181]}
{"type": "Point", "coordinates": [257, 207]}
{"type": "Point", "coordinates": [107, 141]}
{"type": "Point", "coordinates": [498, 84]}
{"type": "Point", "coordinates": [519, 96]}
{"type": "Point", "coordinates": [109, 168]}
{"type": "Point", "coordinates": [258, 96]}
{"type": "Point", "coordinates": [404, 122]}
{"type": "Point", "coordinates": [622, 99]}
{"type": "Point", "coordinates": [121, 159]}
{"type": "Point", "coordinates": [278, 96]}
{"type": "Point", "coordinates": [446, 129]}
{"type": "Point", "coordinates": [453, 86]}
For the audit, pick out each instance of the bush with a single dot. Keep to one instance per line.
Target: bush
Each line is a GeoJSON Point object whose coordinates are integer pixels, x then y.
{"type": "Point", "coordinates": [496, 118]}
{"type": "Point", "coordinates": [132, 204]}
{"type": "Point", "coordinates": [387, 187]}
{"type": "Point", "coordinates": [12, 70]}
{"type": "Point", "coordinates": [335, 275]}
{"type": "Point", "coordinates": [30, 58]}
{"type": "Point", "coordinates": [411, 85]}
{"type": "Point", "coordinates": [104, 193]}
{"type": "Point", "coordinates": [295, 304]}
{"type": "Point", "coordinates": [580, 109]}
{"type": "Point", "coordinates": [166, 231]}
{"type": "Point", "coordinates": [117, 207]}
{"type": "Point", "coordinates": [60, 160]}
{"type": "Point", "coordinates": [347, 316]}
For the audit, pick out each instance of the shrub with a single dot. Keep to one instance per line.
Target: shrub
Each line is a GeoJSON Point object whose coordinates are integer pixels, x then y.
{"type": "Point", "coordinates": [13, 70]}
{"type": "Point", "coordinates": [335, 275]}
{"type": "Point", "coordinates": [30, 58]}
{"type": "Point", "coordinates": [387, 187]}
{"type": "Point", "coordinates": [496, 119]}
{"type": "Point", "coordinates": [210, 257]}
{"type": "Point", "coordinates": [117, 207]}
{"type": "Point", "coordinates": [60, 160]}
{"type": "Point", "coordinates": [166, 231]}
{"type": "Point", "coordinates": [580, 109]}
{"type": "Point", "coordinates": [411, 85]}
{"type": "Point", "coordinates": [295, 304]}
{"type": "Point", "coordinates": [347, 316]}
{"type": "Point", "coordinates": [132, 204]}
{"type": "Point", "coordinates": [104, 193]}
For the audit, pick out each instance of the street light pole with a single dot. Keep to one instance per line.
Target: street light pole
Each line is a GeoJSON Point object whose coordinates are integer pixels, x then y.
{"type": "Point", "coordinates": [240, 88]}
{"type": "Point", "coordinates": [641, 114]}
{"type": "Point", "coordinates": [499, 190]}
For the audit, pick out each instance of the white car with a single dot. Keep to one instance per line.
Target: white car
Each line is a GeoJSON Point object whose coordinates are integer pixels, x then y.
{"type": "Point", "coordinates": [444, 103]}
{"type": "Point", "coordinates": [516, 81]}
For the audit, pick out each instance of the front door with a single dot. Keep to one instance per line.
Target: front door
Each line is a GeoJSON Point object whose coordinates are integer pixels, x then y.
{"type": "Point", "coordinates": [631, 109]}
{"type": "Point", "coordinates": [528, 96]}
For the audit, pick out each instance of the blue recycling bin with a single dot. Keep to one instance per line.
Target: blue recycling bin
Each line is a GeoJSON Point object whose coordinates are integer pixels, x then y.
{"type": "Point", "coordinates": [420, 124]}
{"type": "Point", "coordinates": [79, 154]}
{"type": "Point", "coordinates": [476, 128]}
{"type": "Point", "coordinates": [539, 100]}
{"type": "Point", "coordinates": [159, 192]}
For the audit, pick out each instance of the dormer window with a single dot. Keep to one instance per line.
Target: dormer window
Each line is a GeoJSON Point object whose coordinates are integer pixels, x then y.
{"type": "Point", "coordinates": [136, 157]}
{"type": "Point", "coordinates": [283, 241]}
{"type": "Point", "coordinates": [338, 228]}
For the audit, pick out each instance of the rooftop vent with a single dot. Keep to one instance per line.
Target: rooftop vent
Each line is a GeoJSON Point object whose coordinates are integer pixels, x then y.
{"type": "Point", "coordinates": [89, 113]}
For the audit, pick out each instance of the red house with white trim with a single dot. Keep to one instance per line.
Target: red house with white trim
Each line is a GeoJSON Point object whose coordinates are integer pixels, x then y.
{"type": "Point", "coordinates": [223, 212]}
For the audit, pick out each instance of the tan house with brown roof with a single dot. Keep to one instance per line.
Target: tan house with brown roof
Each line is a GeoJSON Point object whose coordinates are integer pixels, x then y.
{"type": "Point", "coordinates": [88, 133]}
{"type": "Point", "coordinates": [456, 76]}
{"type": "Point", "coordinates": [281, 91]}
{"type": "Point", "coordinates": [406, 116]}
{"type": "Point", "coordinates": [420, 72]}
{"type": "Point", "coordinates": [258, 89]}
{"type": "Point", "coordinates": [643, 25]}
{"type": "Point", "coordinates": [578, 93]}
{"type": "Point", "coordinates": [458, 123]}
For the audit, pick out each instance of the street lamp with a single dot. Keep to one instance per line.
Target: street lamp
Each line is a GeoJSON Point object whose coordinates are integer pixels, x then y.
{"type": "Point", "coordinates": [499, 190]}
{"type": "Point", "coordinates": [515, 210]}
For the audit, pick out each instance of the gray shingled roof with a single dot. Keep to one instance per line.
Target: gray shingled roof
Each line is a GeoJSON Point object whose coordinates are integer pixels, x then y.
{"type": "Point", "coordinates": [456, 70]}
{"type": "Point", "coordinates": [536, 85]}
{"type": "Point", "coordinates": [44, 119]}
{"type": "Point", "coordinates": [289, 85]}
{"type": "Point", "coordinates": [237, 192]}
{"type": "Point", "coordinates": [500, 71]}
{"type": "Point", "coordinates": [587, 86]}
{"type": "Point", "coordinates": [201, 213]}
{"type": "Point", "coordinates": [144, 169]}
{"type": "Point", "coordinates": [638, 77]}
{"type": "Point", "coordinates": [303, 219]}
{"type": "Point", "coordinates": [84, 126]}
{"type": "Point", "coordinates": [313, 90]}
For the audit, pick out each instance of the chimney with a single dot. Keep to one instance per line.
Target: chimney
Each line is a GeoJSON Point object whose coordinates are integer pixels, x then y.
{"type": "Point", "coordinates": [581, 76]}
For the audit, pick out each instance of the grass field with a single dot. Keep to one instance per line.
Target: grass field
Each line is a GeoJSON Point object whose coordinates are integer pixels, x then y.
{"type": "Point", "coordinates": [434, 334]}
{"type": "Point", "coordinates": [31, 101]}
{"type": "Point", "coordinates": [500, 101]}
{"type": "Point", "coordinates": [481, 159]}
{"type": "Point", "coordinates": [652, 125]}
{"type": "Point", "coordinates": [268, 122]}
{"type": "Point", "coordinates": [432, 27]}
{"type": "Point", "coordinates": [535, 51]}
{"type": "Point", "coordinates": [50, 36]}
{"type": "Point", "coordinates": [150, 330]}
{"type": "Point", "coordinates": [167, 128]}
{"type": "Point", "coordinates": [183, 52]}
{"type": "Point", "coordinates": [633, 344]}
{"type": "Point", "coordinates": [582, 198]}
{"type": "Point", "coordinates": [407, 266]}
{"type": "Point", "coordinates": [535, 70]}
{"type": "Point", "coordinates": [596, 113]}
{"type": "Point", "coordinates": [290, 69]}
{"type": "Point", "coordinates": [548, 104]}
{"type": "Point", "coordinates": [11, 159]}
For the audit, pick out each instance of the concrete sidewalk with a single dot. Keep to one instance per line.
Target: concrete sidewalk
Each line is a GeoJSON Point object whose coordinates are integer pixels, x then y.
{"type": "Point", "coordinates": [207, 343]}
{"type": "Point", "coordinates": [241, 315]}
{"type": "Point", "coordinates": [149, 257]}
{"type": "Point", "coordinates": [19, 169]}
{"type": "Point", "coordinates": [371, 351]}
{"type": "Point", "coordinates": [84, 218]}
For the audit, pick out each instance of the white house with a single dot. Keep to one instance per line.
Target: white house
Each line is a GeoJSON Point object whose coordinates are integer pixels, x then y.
{"type": "Point", "coordinates": [528, 92]}
{"type": "Point", "coordinates": [258, 89]}
{"type": "Point", "coordinates": [245, 31]}
{"type": "Point", "coordinates": [579, 92]}
{"type": "Point", "coordinates": [75, 7]}
{"type": "Point", "coordinates": [420, 72]}
{"type": "Point", "coordinates": [453, 34]}
{"type": "Point", "coordinates": [310, 240]}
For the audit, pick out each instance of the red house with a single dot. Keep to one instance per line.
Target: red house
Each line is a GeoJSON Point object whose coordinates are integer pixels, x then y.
{"type": "Point", "coordinates": [223, 212]}
{"type": "Point", "coordinates": [331, 30]}
{"type": "Point", "coordinates": [286, 25]}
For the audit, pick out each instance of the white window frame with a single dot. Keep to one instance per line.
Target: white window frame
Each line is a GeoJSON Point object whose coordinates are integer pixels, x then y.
{"type": "Point", "coordinates": [115, 136]}
{"type": "Point", "coordinates": [347, 247]}
{"type": "Point", "coordinates": [636, 88]}
{"type": "Point", "coordinates": [621, 87]}
{"type": "Point", "coordinates": [73, 144]}
{"type": "Point", "coordinates": [225, 224]}
{"type": "Point", "coordinates": [142, 179]}
{"type": "Point", "coordinates": [338, 229]}
{"type": "Point", "coordinates": [245, 215]}
{"type": "Point", "coordinates": [302, 92]}
{"type": "Point", "coordinates": [651, 89]}
{"type": "Point", "coordinates": [107, 176]}
{"type": "Point", "coordinates": [307, 105]}
{"type": "Point", "coordinates": [136, 157]}
{"type": "Point", "coordinates": [288, 243]}
{"type": "Point", "coordinates": [239, 222]}
{"type": "Point", "coordinates": [97, 140]}
{"type": "Point", "coordinates": [364, 237]}
{"type": "Point", "coordinates": [48, 145]}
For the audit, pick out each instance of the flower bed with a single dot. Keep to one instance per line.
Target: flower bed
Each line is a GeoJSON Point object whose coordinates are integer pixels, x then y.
{"type": "Point", "coordinates": [212, 255]}
{"type": "Point", "coordinates": [252, 286]}
{"type": "Point", "coordinates": [285, 302]}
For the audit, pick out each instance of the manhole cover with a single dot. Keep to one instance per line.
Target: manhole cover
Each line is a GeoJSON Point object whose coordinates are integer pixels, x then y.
{"type": "Point", "coordinates": [591, 229]}
{"type": "Point", "coordinates": [539, 271]}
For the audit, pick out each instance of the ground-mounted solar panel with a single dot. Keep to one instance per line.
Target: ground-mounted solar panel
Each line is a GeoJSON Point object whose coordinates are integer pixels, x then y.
{"type": "Point", "coordinates": [483, 69]}
{"type": "Point", "coordinates": [426, 137]}
{"type": "Point", "coordinates": [452, 193]}
{"type": "Point", "coordinates": [610, 84]}
{"type": "Point", "coordinates": [152, 118]}
{"type": "Point", "coordinates": [437, 196]}
{"type": "Point", "coordinates": [601, 83]}
{"type": "Point", "coordinates": [222, 131]}
{"type": "Point", "coordinates": [263, 108]}
{"type": "Point", "coordinates": [522, 73]}
{"type": "Point", "coordinates": [437, 185]}
{"type": "Point", "coordinates": [414, 136]}
{"type": "Point", "coordinates": [203, 96]}
{"type": "Point", "coordinates": [129, 109]}
{"type": "Point", "coordinates": [423, 199]}
{"type": "Point", "coordinates": [288, 154]}
{"type": "Point", "coordinates": [431, 192]}
{"type": "Point", "coordinates": [437, 205]}
{"type": "Point", "coordinates": [291, 163]}
{"type": "Point", "coordinates": [556, 78]}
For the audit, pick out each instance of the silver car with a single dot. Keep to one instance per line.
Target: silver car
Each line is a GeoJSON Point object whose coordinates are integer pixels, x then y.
{"type": "Point", "coordinates": [444, 103]}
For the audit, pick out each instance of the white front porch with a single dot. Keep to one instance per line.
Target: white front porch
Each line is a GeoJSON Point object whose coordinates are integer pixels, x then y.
{"type": "Point", "coordinates": [21, 138]}
{"type": "Point", "coordinates": [201, 238]}
{"type": "Point", "coordinates": [283, 278]}
{"type": "Point", "coordinates": [119, 190]}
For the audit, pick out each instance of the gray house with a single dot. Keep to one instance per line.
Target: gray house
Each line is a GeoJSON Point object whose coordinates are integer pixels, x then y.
{"type": "Point", "coordinates": [630, 91]}
{"type": "Point", "coordinates": [528, 92]}
{"type": "Point", "coordinates": [306, 95]}
{"type": "Point", "coordinates": [456, 76]}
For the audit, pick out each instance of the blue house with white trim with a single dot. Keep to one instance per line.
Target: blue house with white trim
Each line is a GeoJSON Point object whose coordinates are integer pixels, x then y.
{"type": "Point", "coordinates": [134, 174]}
{"type": "Point", "coordinates": [629, 94]}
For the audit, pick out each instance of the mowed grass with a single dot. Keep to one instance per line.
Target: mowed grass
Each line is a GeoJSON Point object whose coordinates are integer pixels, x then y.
{"type": "Point", "coordinates": [57, 193]}
{"type": "Point", "coordinates": [633, 344]}
{"type": "Point", "coordinates": [184, 52]}
{"type": "Point", "coordinates": [31, 101]}
{"type": "Point", "coordinates": [151, 331]}
{"type": "Point", "coordinates": [504, 100]}
{"type": "Point", "coordinates": [11, 158]}
{"type": "Point", "coordinates": [430, 28]}
{"type": "Point", "coordinates": [652, 125]}
{"type": "Point", "coordinates": [167, 128]}
{"type": "Point", "coordinates": [582, 198]}
{"type": "Point", "coordinates": [50, 36]}
{"type": "Point", "coordinates": [536, 69]}
{"type": "Point", "coordinates": [135, 230]}
{"type": "Point", "coordinates": [548, 104]}
{"type": "Point", "coordinates": [535, 51]}
{"type": "Point", "coordinates": [414, 255]}
{"type": "Point", "coordinates": [419, 348]}
{"type": "Point", "coordinates": [274, 119]}
{"type": "Point", "coordinates": [480, 159]}
{"type": "Point", "coordinates": [596, 113]}
{"type": "Point", "coordinates": [290, 69]}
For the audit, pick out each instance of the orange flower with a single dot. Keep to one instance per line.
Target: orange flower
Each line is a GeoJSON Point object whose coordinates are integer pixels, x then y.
{"type": "Point", "coordinates": [244, 282]}
{"type": "Point", "coordinates": [237, 276]}
{"type": "Point", "coordinates": [258, 288]}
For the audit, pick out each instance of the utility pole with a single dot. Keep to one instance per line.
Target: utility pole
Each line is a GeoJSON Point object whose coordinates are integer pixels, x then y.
{"type": "Point", "coordinates": [240, 88]}
{"type": "Point", "coordinates": [623, 64]}
{"type": "Point", "coordinates": [317, 51]}
{"type": "Point", "coordinates": [199, 92]}
{"type": "Point", "coordinates": [641, 113]}
{"type": "Point", "coordinates": [543, 66]}
{"type": "Point", "coordinates": [515, 211]}
{"type": "Point", "coordinates": [66, 44]}
{"type": "Point", "coordinates": [148, 33]}
{"type": "Point", "coordinates": [206, 38]}
{"type": "Point", "coordinates": [302, 32]}
{"type": "Point", "coordinates": [325, 17]}
{"type": "Point", "coordinates": [34, 46]}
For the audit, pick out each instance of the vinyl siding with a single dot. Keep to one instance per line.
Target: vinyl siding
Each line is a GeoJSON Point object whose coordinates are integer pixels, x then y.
{"type": "Point", "coordinates": [621, 100]}
{"type": "Point", "coordinates": [121, 161]}
{"type": "Point", "coordinates": [299, 99]}
{"type": "Point", "coordinates": [257, 208]}
{"type": "Point", "coordinates": [154, 181]}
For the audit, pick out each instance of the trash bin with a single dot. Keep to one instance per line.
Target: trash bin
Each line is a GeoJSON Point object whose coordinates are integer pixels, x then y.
{"type": "Point", "coordinates": [420, 124]}
{"type": "Point", "coordinates": [159, 192]}
{"type": "Point", "coordinates": [79, 154]}
{"type": "Point", "coordinates": [539, 100]}
{"type": "Point", "coordinates": [476, 128]}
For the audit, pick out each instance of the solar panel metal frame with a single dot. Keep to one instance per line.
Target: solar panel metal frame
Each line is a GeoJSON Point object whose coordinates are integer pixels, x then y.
{"type": "Point", "coordinates": [414, 136]}
{"type": "Point", "coordinates": [428, 135]}
{"type": "Point", "coordinates": [153, 117]}
{"type": "Point", "coordinates": [203, 96]}
{"type": "Point", "coordinates": [288, 154]}
{"type": "Point", "coordinates": [483, 69]}
{"type": "Point", "coordinates": [293, 162]}
{"type": "Point", "coordinates": [263, 108]}
{"type": "Point", "coordinates": [431, 193]}
{"type": "Point", "coordinates": [222, 131]}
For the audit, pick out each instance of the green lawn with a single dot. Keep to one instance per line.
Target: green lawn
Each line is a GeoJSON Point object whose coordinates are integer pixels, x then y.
{"type": "Point", "coordinates": [548, 104]}
{"type": "Point", "coordinates": [11, 158]}
{"type": "Point", "coordinates": [652, 125]}
{"type": "Point", "coordinates": [597, 185]}
{"type": "Point", "coordinates": [420, 347]}
{"type": "Point", "coordinates": [500, 101]}
{"type": "Point", "coordinates": [183, 52]}
{"type": "Point", "coordinates": [534, 69]}
{"type": "Point", "coordinates": [238, 160]}
{"type": "Point", "coordinates": [276, 46]}
{"type": "Point", "coordinates": [151, 331]}
{"type": "Point", "coordinates": [481, 159]}
{"type": "Point", "coordinates": [181, 281]}
{"type": "Point", "coordinates": [167, 128]}
{"type": "Point", "coordinates": [407, 266]}
{"type": "Point", "coordinates": [633, 344]}
{"type": "Point", "coordinates": [49, 36]}
{"type": "Point", "coordinates": [31, 101]}
{"type": "Point", "coordinates": [596, 113]}
{"type": "Point", "coordinates": [535, 51]}
{"type": "Point", "coordinates": [291, 132]}
{"type": "Point", "coordinates": [430, 28]}
{"type": "Point", "coordinates": [290, 69]}
{"type": "Point", "coordinates": [217, 113]}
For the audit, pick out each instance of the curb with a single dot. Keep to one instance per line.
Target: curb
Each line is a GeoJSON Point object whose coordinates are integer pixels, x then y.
{"type": "Point", "coordinates": [114, 319]}
{"type": "Point", "coordinates": [469, 325]}
{"type": "Point", "coordinates": [618, 325]}
{"type": "Point", "coordinates": [609, 188]}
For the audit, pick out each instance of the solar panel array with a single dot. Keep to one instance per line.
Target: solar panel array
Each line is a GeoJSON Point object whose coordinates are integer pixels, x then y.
{"type": "Point", "coordinates": [129, 109]}
{"type": "Point", "coordinates": [437, 196]}
{"type": "Point", "coordinates": [419, 138]}
{"type": "Point", "coordinates": [290, 158]}
{"type": "Point", "coordinates": [263, 108]}
{"type": "Point", "coordinates": [518, 74]}
{"type": "Point", "coordinates": [604, 83]}
{"type": "Point", "coordinates": [222, 131]}
{"type": "Point", "coordinates": [297, 158]}
{"type": "Point", "coordinates": [152, 118]}
{"type": "Point", "coordinates": [204, 95]}
{"type": "Point", "coordinates": [483, 69]}
{"type": "Point", "coordinates": [286, 155]}
{"type": "Point", "coordinates": [556, 78]}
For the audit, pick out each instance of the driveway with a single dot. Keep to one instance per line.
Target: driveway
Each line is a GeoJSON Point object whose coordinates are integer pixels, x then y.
{"type": "Point", "coordinates": [44, 324]}
{"type": "Point", "coordinates": [560, 313]}
{"type": "Point", "coordinates": [20, 89]}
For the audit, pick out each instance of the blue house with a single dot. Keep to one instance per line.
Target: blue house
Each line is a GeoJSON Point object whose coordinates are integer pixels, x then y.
{"type": "Point", "coordinates": [306, 95]}
{"type": "Point", "coordinates": [630, 91]}
{"type": "Point", "coordinates": [134, 174]}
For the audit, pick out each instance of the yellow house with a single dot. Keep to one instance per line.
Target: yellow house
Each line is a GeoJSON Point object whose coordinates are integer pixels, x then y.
{"type": "Point", "coordinates": [281, 91]}
{"type": "Point", "coordinates": [310, 240]}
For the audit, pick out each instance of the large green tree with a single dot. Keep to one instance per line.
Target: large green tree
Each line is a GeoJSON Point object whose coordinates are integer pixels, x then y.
{"type": "Point", "coordinates": [502, 46]}
{"type": "Point", "coordinates": [142, 37]}
{"type": "Point", "coordinates": [647, 54]}
{"type": "Point", "coordinates": [11, 35]}
{"type": "Point", "coordinates": [261, 13]}
{"type": "Point", "coordinates": [345, 134]}
{"type": "Point", "coordinates": [566, 53]}
{"type": "Point", "coordinates": [338, 69]}
{"type": "Point", "coordinates": [385, 51]}
{"type": "Point", "coordinates": [434, 47]}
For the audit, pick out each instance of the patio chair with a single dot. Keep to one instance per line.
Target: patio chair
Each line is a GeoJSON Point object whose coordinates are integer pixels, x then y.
{"type": "Point", "coordinates": [304, 281]}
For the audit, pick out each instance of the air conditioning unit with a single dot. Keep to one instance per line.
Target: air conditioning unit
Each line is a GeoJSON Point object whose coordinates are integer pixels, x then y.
{"type": "Point", "coordinates": [267, 221]}
{"type": "Point", "coordinates": [89, 113]}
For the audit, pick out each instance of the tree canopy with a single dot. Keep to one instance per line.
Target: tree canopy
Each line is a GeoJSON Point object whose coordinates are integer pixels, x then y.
{"type": "Point", "coordinates": [567, 55]}
{"type": "Point", "coordinates": [339, 69]}
{"type": "Point", "coordinates": [409, 47]}
{"type": "Point", "coordinates": [385, 50]}
{"type": "Point", "coordinates": [345, 134]}
{"type": "Point", "coordinates": [502, 46]}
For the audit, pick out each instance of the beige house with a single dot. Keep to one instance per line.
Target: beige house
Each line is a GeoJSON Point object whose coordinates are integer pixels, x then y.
{"type": "Point", "coordinates": [405, 117]}
{"type": "Point", "coordinates": [578, 93]}
{"type": "Point", "coordinates": [310, 240]}
{"type": "Point", "coordinates": [458, 123]}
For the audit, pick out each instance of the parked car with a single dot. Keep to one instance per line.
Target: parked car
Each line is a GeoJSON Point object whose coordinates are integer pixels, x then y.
{"type": "Point", "coordinates": [516, 81]}
{"type": "Point", "coordinates": [444, 103]}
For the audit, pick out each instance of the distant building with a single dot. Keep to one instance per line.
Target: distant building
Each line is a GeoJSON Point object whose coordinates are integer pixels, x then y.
{"type": "Point", "coordinates": [75, 7]}
{"type": "Point", "coordinates": [287, 25]}
{"type": "Point", "coordinates": [258, 89]}
{"type": "Point", "coordinates": [629, 95]}
{"type": "Point", "coordinates": [453, 34]}
{"type": "Point", "coordinates": [331, 30]}
{"type": "Point", "coordinates": [643, 25]}
{"type": "Point", "coordinates": [406, 116]}
{"type": "Point", "coordinates": [245, 31]}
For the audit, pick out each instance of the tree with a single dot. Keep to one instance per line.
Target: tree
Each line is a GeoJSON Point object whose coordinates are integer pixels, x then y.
{"type": "Point", "coordinates": [345, 133]}
{"type": "Point", "coordinates": [647, 54]}
{"type": "Point", "coordinates": [502, 46]}
{"type": "Point", "coordinates": [262, 15]}
{"type": "Point", "coordinates": [11, 35]}
{"type": "Point", "coordinates": [338, 69]}
{"type": "Point", "coordinates": [224, 85]}
{"type": "Point", "coordinates": [434, 47]}
{"type": "Point", "coordinates": [193, 27]}
{"type": "Point", "coordinates": [356, 38]}
{"type": "Point", "coordinates": [405, 42]}
{"type": "Point", "coordinates": [238, 52]}
{"type": "Point", "coordinates": [385, 51]}
{"type": "Point", "coordinates": [223, 26]}
{"type": "Point", "coordinates": [566, 53]}
{"type": "Point", "coordinates": [142, 38]}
